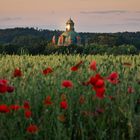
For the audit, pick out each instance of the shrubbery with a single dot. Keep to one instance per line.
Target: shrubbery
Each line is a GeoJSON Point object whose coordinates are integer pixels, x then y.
{"type": "Point", "coordinates": [47, 49]}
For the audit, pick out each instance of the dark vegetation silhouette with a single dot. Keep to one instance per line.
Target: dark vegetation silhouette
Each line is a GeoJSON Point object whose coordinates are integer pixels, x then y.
{"type": "Point", "coordinates": [35, 41]}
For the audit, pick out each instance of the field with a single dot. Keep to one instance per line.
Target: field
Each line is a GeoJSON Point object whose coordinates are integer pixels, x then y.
{"type": "Point", "coordinates": [65, 97]}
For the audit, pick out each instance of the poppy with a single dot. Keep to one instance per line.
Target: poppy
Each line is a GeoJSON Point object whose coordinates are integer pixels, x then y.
{"type": "Point", "coordinates": [100, 92]}
{"type": "Point", "coordinates": [3, 85]}
{"type": "Point", "coordinates": [17, 73]}
{"type": "Point", "coordinates": [48, 101]}
{"type": "Point", "coordinates": [130, 90]}
{"type": "Point", "coordinates": [14, 107]}
{"type": "Point", "coordinates": [26, 105]}
{"type": "Point", "coordinates": [10, 89]}
{"type": "Point", "coordinates": [4, 108]}
{"type": "Point", "coordinates": [113, 78]}
{"type": "Point", "coordinates": [27, 114]}
{"type": "Point", "coordinates": [32, 129]}
{"type": "Point", "coordinates": [76, 67]}
{"type": "Point", "coordinates": [67, 84]}
{"type": "Point", "coordinates": [47, 70]}
{"type": "Point", "coordinates": [93, 65]}
{"type": "Point", "coordinates": [63, 104]}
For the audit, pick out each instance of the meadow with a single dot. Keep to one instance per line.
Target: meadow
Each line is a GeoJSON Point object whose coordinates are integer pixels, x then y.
{"type": "Point", "coordinates": [69, 97]}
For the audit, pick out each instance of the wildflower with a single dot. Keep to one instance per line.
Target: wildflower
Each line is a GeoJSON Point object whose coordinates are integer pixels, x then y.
{"type": "Point", "coordinates": [32, 129]}
{"type": "Point", "coordinates": [10, 89]}
{"type": "Point", "coordinates": [26, 105]}
{"type": "Point", "coordinates": [14, 107]}
{"type": "Point", "coordinates": [17, 73]}
{"type": "Point", "coordinates": [63, 104]}
{"type": "Point", "coordinates": [4, 108]}
{"type": "Point", "coordinates": [93, 65]}
{"type": "Point", "coordinates": [67, 84]}
{"type": "Point", "coordinates": [113, 78]}
{"type": "Point", "coordinates": [27, 114]}
{"type": "Point", "coordinates": [130, 90]}
{"type": "Point", "coordinates": [76, 67]}
{"type": "Point", "coordinates": [3, 85]}
{"type": "Point", "coordinates": [47, 71]}
{"type": "Point", "coordinates": [100, 92]}
{"type": "Point", "coordinates": [48, 101]}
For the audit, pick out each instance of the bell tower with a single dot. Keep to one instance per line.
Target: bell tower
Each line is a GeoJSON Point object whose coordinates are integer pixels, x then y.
{"type": "Point", "coordinates": [70, 25]}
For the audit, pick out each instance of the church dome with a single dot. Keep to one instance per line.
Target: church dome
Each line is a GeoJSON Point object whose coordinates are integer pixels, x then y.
{"type": "Point", "coordinates": [70, 21]}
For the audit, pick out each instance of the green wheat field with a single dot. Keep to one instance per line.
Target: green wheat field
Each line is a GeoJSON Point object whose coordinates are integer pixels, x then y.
{"type": "Point", "coordinates": [43, 98]}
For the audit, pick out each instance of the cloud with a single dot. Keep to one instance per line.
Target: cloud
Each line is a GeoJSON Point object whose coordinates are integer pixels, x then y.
{"type": "Point", "coordinates": [10, 19]}
{"type": "Point", "coordinates": [133, 19]}
{"type": "Point", "coordinates": [105, 12]}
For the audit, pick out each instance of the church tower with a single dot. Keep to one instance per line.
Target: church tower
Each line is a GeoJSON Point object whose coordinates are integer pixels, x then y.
{"type": "Point", "coordinates": [70, 25]}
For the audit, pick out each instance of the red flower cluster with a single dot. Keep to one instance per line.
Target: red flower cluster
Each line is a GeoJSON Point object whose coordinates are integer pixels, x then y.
{"type": "Point", "coordinates": [47, 70]}
{"type": "Point", "coordinates": [67, 84]}
{"type": "Point", "coordinates": [27, 111]}
{"type": "Point", "coordinates": [98, 85]}
{"type": "Point", "coordinates": [17, 73]}
{"type": "Point", "coordinates": [32, 128]}
{"type": "Point", "coordinates": [76, 67]}
{"type": "Point", "coordinates": [4, 87]}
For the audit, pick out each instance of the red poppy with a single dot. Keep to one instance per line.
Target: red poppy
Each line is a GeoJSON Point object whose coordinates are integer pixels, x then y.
{"type": "Point", "coordinates": [99, 83]}
{"type": "Point", "coordinates": [14, 107]}
{"type": "Point", "coordinates": [4, 108]}
{"type": "Point", "coordinates": [10, 89]}
{"type": "Point", "coordinates": [28, 114]}
{"type": "Point", "coordinates": [26, 105]}
{"type": "Point", "coordinates": [94, 79]}
{"type": "Point", "coordinates": [93, 65]}
{"type": "Point", "coordinates": [63, 104]}
{"type": "Point", "coordinates": [32, 129]}
{"type": "Point", "coordinates": [130, 90]}
{"type": "Point", "coordinates": [113, 78]}
{"type": "Point", "coordinates": [48, 101]}
{"type": "Point", "coordinates": [67, 84]}
{"type": "Point", "coordinates": [47, 71]}
{"type": "Point", "coordinates": [17, 73]}
{"type": "Point", "coordinates": [3, 85]}
{"type": "Point", "coordinates": [100, 92]}
{"type": "Point", "coordinates": [76, 67]}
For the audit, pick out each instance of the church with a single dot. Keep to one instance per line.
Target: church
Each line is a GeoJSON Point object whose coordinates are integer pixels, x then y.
{"type": "Point", "coordinates": [69, 37]}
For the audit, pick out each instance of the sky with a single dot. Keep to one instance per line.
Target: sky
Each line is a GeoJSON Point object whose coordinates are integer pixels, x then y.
{"type": "Point", "coordinates": [88, 15]}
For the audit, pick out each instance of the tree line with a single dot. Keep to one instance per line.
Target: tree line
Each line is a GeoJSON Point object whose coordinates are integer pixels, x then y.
{"type": "Point", "coordinates": [35, 41]}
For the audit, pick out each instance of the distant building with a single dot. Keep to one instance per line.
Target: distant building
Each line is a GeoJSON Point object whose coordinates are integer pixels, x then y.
{"type": "Point", "coordinates": [69, 37]}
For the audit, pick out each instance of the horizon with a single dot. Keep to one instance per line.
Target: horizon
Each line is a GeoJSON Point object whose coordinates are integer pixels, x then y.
{"type": "Point", "coordinates": [92, 16]}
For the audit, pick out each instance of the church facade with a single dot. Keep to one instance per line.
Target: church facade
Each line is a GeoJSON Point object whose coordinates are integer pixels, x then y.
{"type": "Point", "coordinates": [69, 37]}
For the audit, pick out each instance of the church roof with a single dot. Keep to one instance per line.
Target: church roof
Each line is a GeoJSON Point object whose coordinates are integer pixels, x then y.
{"type": "Point", "coordinates": [71, 34]}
